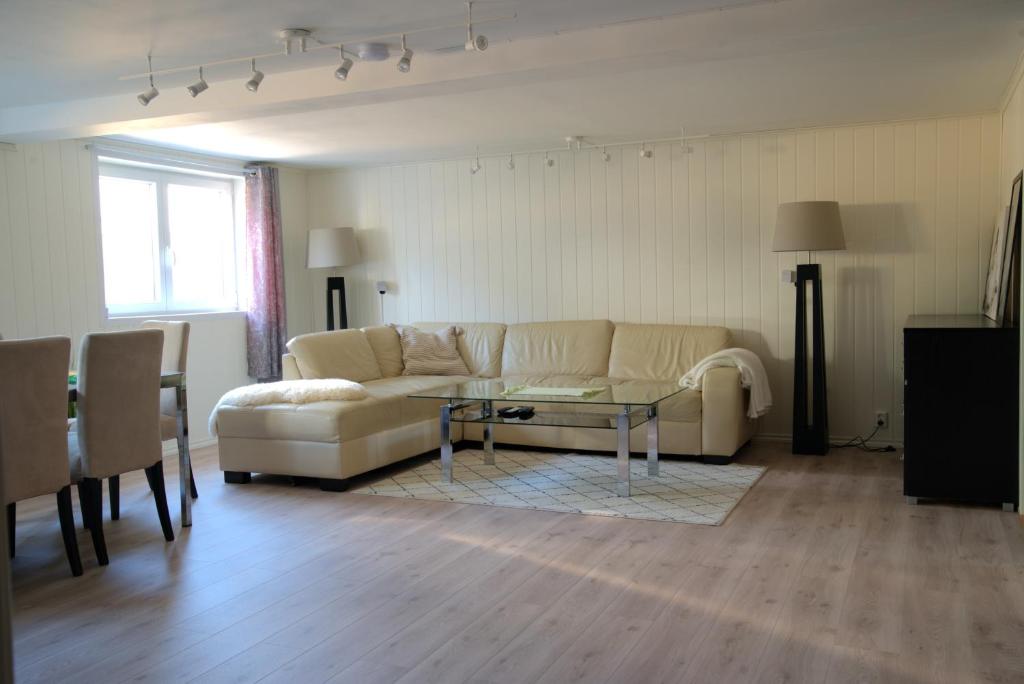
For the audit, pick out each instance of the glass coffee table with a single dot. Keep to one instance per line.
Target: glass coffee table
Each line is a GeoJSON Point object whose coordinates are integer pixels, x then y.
{"type": "Point", "coordinates": [634, 403]}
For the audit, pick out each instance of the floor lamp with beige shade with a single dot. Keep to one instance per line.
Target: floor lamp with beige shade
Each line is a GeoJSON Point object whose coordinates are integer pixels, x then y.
{"type": "Point", "coordinates": [333, 248]}
{"type": "Point", "coordinates": [809, 227]}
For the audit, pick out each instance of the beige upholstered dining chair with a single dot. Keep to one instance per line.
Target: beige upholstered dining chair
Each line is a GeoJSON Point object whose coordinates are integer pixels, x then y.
{"type": "Point", "coordinates": [173, 358]}
{"type": "Point", "coordinates": [118, 425]}
{"type": "Point", "coordinates": [33, 431]}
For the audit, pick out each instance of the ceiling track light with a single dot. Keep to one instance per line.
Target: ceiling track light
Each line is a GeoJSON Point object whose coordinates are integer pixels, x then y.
{"type": "Point", "coordinates": [548, 160]}
{"type": "Point", "coordinates": [475, 167]}
{"type": "Point", "coordinates": [199, 86]}
{"type": "Point", "coordinates": [372, 48]}
{"type": "Point", "coordinates": [290, 36]}
{"type": "Point", "coordinates": [604, 154]}
{"type": "Point", "coordinates": [405, 62]}
{"type": "Point", "coordinates": [150, 95]}
{"type": "Point", "coordinates": [511, 163]}
{"type": "Point", "coordinates": [341, 73]}
{"type": "Point", "coordinates": [253, 84]}
{"type": "Point", "coordinates": [474, 43]}
{"type": "Point", "coordinates": [644, 152]}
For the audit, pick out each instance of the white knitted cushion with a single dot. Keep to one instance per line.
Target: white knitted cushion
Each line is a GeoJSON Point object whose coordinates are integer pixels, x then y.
{"type": "Point", "coordinates": [426, 353]}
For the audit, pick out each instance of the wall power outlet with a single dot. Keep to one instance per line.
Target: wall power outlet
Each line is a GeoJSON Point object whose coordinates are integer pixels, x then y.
{"type": "Point", "coordinates": [882, 419]}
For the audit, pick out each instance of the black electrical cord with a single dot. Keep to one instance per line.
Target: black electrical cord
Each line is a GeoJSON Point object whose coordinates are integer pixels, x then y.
{"type": "Point", "coordinates": [862, 443]}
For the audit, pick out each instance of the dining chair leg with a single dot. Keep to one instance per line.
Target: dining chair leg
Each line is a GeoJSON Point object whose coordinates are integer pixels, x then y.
{"type": "Point", "coordinates": [11, 515]}
{"type": "Point", "coordinates": [114, 485]}
{"type": "Point", "coordinates": [155, 475]}
{"type": "Point", "coordinates": [67, 530]}
{"type": "Point", "coordinates": [83, 503]}
{"type": "Point", "coordinates": [94, 519]}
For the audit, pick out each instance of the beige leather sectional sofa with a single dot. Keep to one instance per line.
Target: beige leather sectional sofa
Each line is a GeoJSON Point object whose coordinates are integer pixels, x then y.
{"type": "Point", "coordinates": [335, 440]}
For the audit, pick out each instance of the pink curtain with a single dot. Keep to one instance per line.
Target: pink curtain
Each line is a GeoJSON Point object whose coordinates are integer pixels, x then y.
{"type": "Point", "coordinates": [265, 331]}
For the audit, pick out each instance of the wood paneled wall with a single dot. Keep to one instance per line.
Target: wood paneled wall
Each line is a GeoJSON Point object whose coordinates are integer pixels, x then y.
{"type": "Point", "coordinates": [51, 277]}
{"type": "Point", "coordinates": [685, 237]}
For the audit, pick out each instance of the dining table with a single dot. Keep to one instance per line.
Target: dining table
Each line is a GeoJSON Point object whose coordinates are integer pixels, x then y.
{"type": "Point", "coordinates": [168, 380]}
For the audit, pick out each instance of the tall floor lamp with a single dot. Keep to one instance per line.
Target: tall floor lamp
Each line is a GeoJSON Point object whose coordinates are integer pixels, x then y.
{"type": "Point", "coordinates": [809, 227]}
{"type": "Point", "coordinates": [332, 248]}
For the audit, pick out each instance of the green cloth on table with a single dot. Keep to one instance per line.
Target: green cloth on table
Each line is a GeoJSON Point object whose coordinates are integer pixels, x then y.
{"type": "Point", "coordinates": [554, 391]}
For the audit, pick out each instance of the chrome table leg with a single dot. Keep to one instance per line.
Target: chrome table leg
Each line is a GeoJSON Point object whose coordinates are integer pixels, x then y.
{"type": "Point", "coordinates": [446, 443]}
{"type": "Point", "coordinates": [487, 412]}
{"type": "Point", "coordinates": [184, 457]}
{"type": "Point", "coordinates": [652, 440]}
{"type": "Point", "coordinates": [622, 429]}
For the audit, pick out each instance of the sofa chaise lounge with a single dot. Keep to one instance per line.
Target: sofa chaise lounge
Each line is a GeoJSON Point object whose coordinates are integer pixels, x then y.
{"type": "Point", "coordinates": [336, 440]}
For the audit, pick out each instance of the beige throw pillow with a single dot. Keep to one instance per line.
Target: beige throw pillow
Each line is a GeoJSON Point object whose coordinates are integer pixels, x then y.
{"type": "Point", "coordinates": [426, 353]}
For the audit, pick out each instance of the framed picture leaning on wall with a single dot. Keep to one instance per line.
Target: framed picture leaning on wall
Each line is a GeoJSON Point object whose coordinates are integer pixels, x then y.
{"type": "Point", "coordinates": [1001, 299]}
{"type": "Point", "coordinates": [990, 307]}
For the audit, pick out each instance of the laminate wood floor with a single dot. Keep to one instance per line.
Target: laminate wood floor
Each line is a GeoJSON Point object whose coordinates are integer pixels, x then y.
{"type": "Point", "coordinates": [821, 574]}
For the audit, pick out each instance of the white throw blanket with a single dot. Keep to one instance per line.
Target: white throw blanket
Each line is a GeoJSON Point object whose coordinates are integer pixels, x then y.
{"type": "Point", "coordinates": [289, 392]}
{"type": "Point", "coordinates": [752, 376]}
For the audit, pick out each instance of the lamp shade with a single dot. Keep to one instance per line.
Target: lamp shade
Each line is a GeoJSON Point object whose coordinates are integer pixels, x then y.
{"type": "Point", "coordinates": [808, 227]}
{"type": "Point", "coordinates": [331, 247]}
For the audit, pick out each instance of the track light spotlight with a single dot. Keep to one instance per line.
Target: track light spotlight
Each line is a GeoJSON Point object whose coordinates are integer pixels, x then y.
{"type": "Point", "coordinates": [341, 73]}
{"type": "Point", "coordinates": [548, 160]}
{"type": "Point", "coordinates": [150, 95]}
{"type": "Point", "coordinates": [474, 43]}
{"type": "Point", "coordinates": [644, 152]}
{"type": "Point", "coordinates": [511, 163]}
{"type": "Point", "coordinates": [475, 167]}
{"type": "Point", "coordinates": [604, 154]}
{"type": "Point", "coordinates": [253, 84]}
{"type": "Point", "coordinates": [199, 86]}
{"type": "Point", "coordinates": [405, 63]}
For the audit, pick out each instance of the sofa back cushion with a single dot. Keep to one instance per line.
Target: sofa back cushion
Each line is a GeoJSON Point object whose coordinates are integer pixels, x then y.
{"type": "Point", "coordinates": [662, 352]}
{"type": "Point", "coordinates": [387, 348]}
{"type": "Point", "coordinates": [557, 348]}
{"type": "Point", "coordinates": [335, 354]}
{"type": "Point", "coordinates": [479, 345]}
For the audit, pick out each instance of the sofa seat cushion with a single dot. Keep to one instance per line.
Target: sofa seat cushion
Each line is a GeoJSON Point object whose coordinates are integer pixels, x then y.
{"type": "Point", "coordinates": [387, 407]}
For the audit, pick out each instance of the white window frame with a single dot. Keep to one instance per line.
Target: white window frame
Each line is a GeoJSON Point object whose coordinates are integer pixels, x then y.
{"type": "Point", "coordinates": [162, 176]}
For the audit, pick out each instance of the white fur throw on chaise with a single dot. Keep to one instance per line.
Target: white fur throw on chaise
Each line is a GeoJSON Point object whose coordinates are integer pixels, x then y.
{"type": "Point", "coordinates": [289, 392]}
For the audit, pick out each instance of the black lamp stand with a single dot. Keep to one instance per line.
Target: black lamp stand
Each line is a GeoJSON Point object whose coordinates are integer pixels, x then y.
{"type": "Point", "coordinates": [810, 414]}
{"type": "Point", "coordinates": [336, 284]}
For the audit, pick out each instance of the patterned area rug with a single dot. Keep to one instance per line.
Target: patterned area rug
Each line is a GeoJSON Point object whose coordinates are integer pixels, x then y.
{"type": "Point", "coordinates": [684, 492]}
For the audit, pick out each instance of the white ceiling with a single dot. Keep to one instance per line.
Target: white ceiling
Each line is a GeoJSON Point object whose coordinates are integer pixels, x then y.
{"type": "Point", "coordinates": [751, 66]}
{"type": "Point", "coordinates": [53, 50]}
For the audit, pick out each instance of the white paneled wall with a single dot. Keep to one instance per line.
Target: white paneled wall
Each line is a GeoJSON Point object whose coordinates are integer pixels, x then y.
{"type": "Point", "coordinates": [685, 237]}
{"type": "Point", "coordinates": [51, 271]}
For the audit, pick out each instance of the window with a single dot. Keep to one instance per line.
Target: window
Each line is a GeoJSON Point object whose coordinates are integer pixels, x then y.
{"type": "Point", "coordinates": [171, 239]}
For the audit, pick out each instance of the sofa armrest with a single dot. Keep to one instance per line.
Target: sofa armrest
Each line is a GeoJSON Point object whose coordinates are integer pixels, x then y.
{"type": "Point", "coordinates": [724, 423]}
{"type": "Point", "coordinates": [289, 369]}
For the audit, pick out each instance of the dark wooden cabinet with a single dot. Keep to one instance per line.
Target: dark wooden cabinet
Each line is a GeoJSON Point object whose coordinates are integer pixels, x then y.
{"type": "Point", "coordinates": [961, 380]}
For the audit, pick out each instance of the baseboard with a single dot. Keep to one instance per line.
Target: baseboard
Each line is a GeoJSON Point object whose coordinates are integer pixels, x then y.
{"type": "Point", "coordinates": [171, 448]}
{"type": "Point", "coordinates": [776, 437]}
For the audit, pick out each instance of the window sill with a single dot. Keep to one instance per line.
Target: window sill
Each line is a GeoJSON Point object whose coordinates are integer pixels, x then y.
{"type": "Point", "coordinates": [177, 316]}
